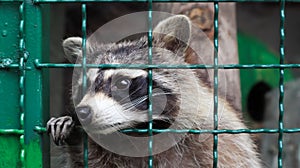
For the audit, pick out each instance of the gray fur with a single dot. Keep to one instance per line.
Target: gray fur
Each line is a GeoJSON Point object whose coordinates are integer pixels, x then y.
{"type": "Point", "coordinates": [72, 48]}
{"type": "Point", "coordinates": [194, 101]}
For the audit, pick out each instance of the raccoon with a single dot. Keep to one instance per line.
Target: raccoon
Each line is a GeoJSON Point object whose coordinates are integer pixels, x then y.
{"type": "Point", "coordinates": [117, 99]}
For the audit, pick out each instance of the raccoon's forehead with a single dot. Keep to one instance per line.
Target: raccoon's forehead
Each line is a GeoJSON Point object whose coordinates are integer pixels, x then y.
{"type": "Point", "coordinates": [132, 52]}
{"type": "Point", "coordinates": [92, 74]}
{"type": "Point", "coordinates": [131, 73]}
{"type": "Point", "coordinates": [126, 52]}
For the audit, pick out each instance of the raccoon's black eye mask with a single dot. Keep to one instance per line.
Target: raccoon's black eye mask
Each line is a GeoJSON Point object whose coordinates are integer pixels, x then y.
{"type": "Point", "coordinates": [121, 84]}
{"type": "Point", "coordinates": [157, 124]}
{"type": "Point", "coordinates": [130, 92]}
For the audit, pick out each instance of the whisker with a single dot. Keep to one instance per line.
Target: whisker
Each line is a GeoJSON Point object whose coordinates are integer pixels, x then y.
{"type": "Point", "coordinates": [132, 104]}
{"type": "Point", "coordinates": [135, 102]}
{"type": "Point", "coordinates": [121, 101]}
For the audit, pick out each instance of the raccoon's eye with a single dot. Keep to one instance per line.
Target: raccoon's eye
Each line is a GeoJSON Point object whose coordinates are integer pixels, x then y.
{"type": "Point", "coordinates": [123, 83]}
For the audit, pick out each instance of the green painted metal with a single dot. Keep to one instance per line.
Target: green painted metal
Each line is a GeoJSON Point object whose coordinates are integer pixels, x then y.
{"type": "Point", "coordinates": [203, 131]}
{"type": "Point", "coordinates": [84, 78]}
{"type": "Point", "coordinates": [281, 84]}
{"type": "Point", "coordinates": [9, 151]}
{"type": "Point", "coordinates": [19, 81]}
{"type": "Point", "coordinates": [34, 155]}
{"type": "Point", "coordinates": [150, 87]}
{"type": "Point", "coordinates": [9, 77]}
{"type": "Point", "coordinates": [23, 56]}
{"type": "Point", "coordinates": [38, 64]}
{"type": "Point", "coordinates": [219, 131]}
{"type": "Point", "coordinates": [10, 146]}
{"type": "Point", "coordinates": [36, 102]}
{"type": "Point", "coordinates": [11, 1]}
{"type": "Point", "coordinates": [216, 83]}
{"type": "Point", "coordinates": [187, 1]}
{"type": "Point", "coordinates": [40, 129]}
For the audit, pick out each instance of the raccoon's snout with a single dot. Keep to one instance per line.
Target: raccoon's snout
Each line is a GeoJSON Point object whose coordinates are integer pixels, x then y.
{"type": "Point", "coordinates": [84, 114]}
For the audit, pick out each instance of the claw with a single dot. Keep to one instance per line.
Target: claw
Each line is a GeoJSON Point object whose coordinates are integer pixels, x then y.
{"type": "Point", "coordinates": [49, 124]}
{"type": "Point", "coordinates": [60, 128]}
{"type": "Point", "coordinates": [53, 133]}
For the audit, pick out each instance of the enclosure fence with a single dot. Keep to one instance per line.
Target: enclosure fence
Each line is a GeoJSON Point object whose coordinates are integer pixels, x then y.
{"type": "Point", "coordinates": [24, 81]}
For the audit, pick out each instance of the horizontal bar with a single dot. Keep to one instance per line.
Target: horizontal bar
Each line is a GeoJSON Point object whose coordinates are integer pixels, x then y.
{"type": "Point", "coordinates": [13, 66]}
{"type": "Point", "coordinates": [258, 66]}
{"type": "Point", "coordinates": [11, 0]}
{"type": "Point", "coordinates": [9, 66]}
{"type": "Point", "coordinates": [143, 66]}
{"type": "Point", "coordinates": [85, 1]}
{"type": "Point", "coordinates": [40, 129]}
{"type": "Point", "coordinates": [11, 131]}
{"type": "Point", "coordinates": [220, 131]}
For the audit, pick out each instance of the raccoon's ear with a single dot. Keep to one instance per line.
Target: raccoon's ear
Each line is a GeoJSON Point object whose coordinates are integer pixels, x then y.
{"type": "Point", "coordinates": [173, 33]}
{"type": "Point", "coordinates": [72, 48]}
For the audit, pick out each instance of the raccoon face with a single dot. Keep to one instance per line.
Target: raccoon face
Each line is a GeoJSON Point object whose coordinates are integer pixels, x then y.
{"type": "Point", "coordinates": [118, 98]}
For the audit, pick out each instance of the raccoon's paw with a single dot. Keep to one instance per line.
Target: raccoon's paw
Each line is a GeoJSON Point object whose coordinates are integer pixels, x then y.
{"type": "Point", "coordinates": [60, 129]}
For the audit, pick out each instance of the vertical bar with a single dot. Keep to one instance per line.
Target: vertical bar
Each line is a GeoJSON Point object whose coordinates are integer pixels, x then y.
{"type": "Point", "coordinates": [22, 66]}
{"type": "Point", "coordinates": [150, 112]}
{"type": "Point", "coordinates": [84, 78]}
{"type": "Point", "coordinates": [281, 86]}
{"type": "Point", "coordinates": [36, 102]}
{"type": "Point", "coordinates": [216, 84]}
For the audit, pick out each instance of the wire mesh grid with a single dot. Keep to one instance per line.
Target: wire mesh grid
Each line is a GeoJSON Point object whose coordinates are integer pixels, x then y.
{"type": "Point", "coordinates": [281, 130]}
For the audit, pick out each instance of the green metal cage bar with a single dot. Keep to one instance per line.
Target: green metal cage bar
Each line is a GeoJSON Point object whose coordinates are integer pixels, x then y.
{"type": "Point", "coordinates": [22, 64]}
{"type": "Point", "coordinates": [187, 1]}
{"type": "Point", "coordinates": [156, 66]}
{"type": "Point", "coordinates": [84, 78]}
{"type": "Point", "coordinates": [203, 131]}
{"type": "Point", "coordinates": [150, 87]}
{"type": "Point", "coordinates": [281, 85]}
{"type": "Point", "coordinates": [90, 1]}
{"type": "Point", "coordinates": [219, 131]}
{"type": "Point", "coordinates": [216, 83]}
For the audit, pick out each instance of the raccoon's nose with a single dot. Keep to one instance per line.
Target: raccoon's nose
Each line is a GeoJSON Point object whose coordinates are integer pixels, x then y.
{"type": "Point", "coordinates": [84, 114]}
